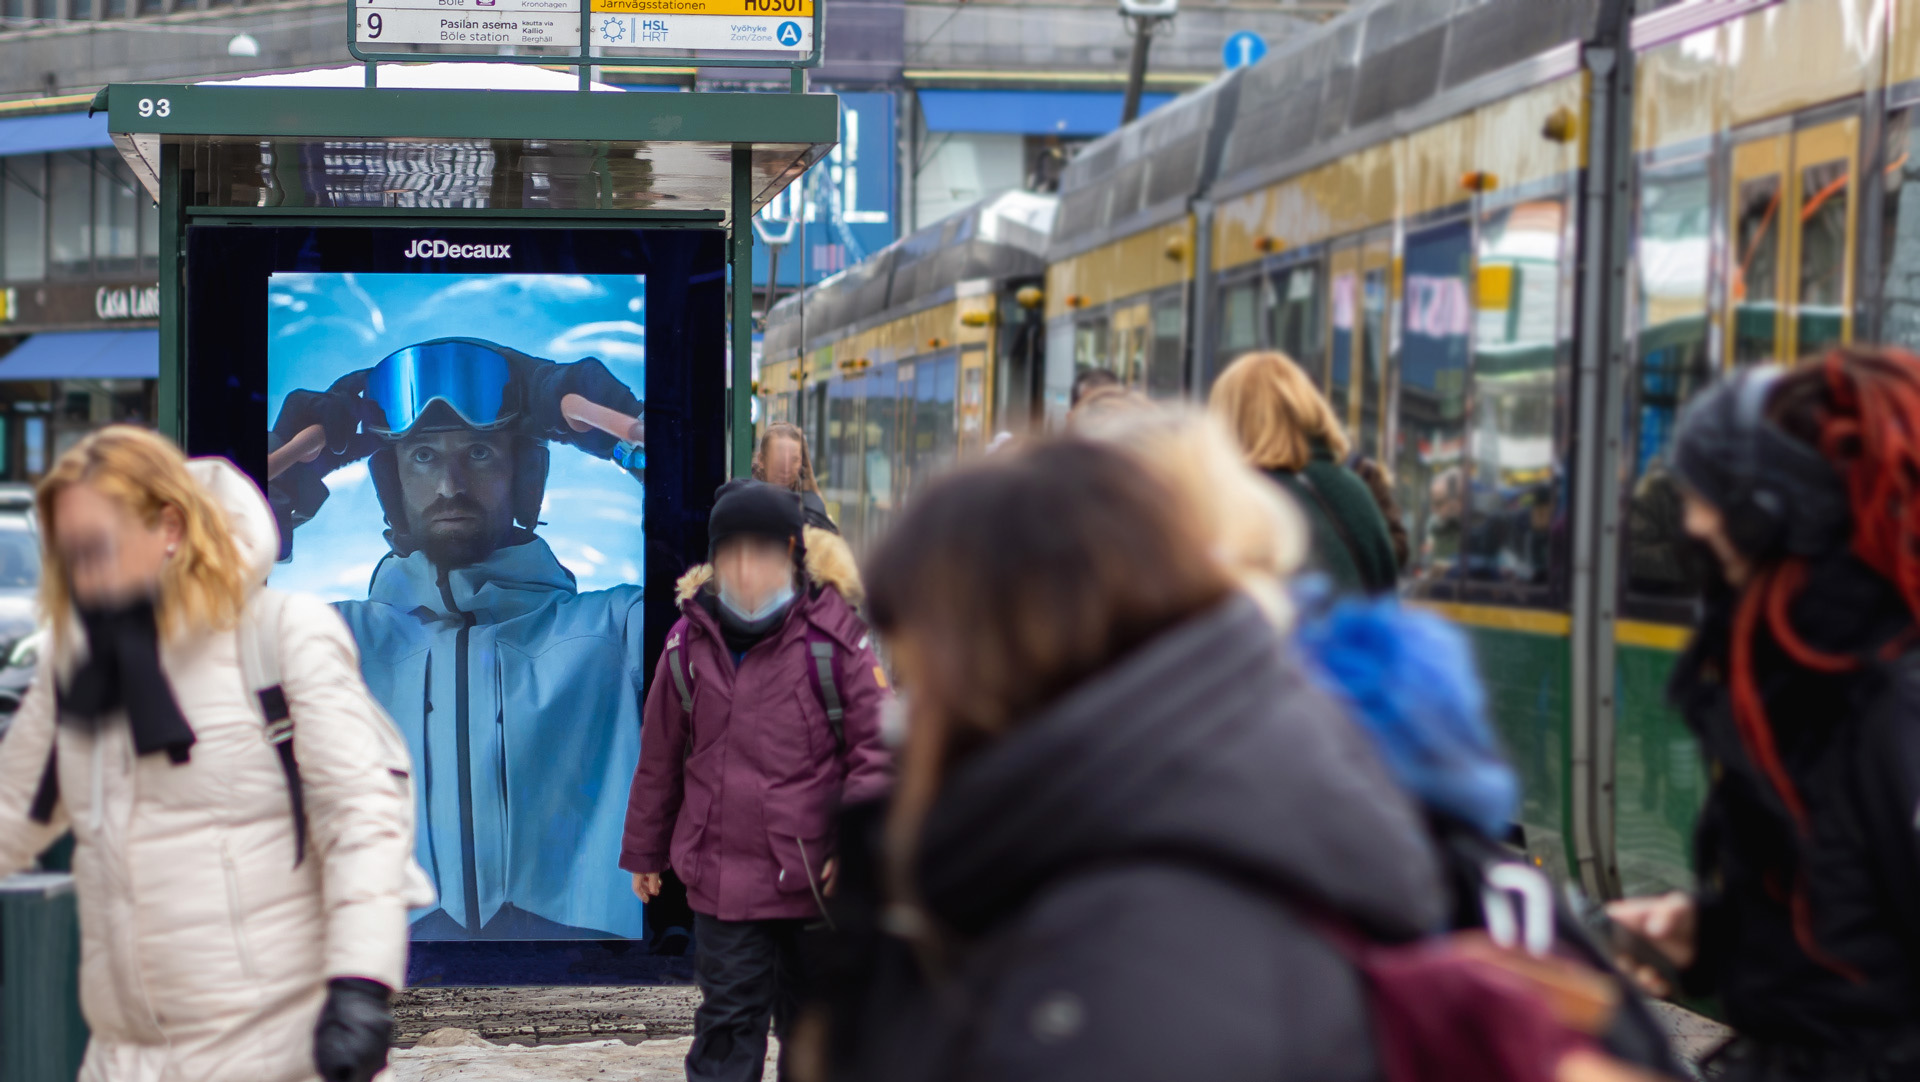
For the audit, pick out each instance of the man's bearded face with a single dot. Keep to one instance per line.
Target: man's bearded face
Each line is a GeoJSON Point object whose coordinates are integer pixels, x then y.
{"type": "Point", "coordinates": [458, 489]}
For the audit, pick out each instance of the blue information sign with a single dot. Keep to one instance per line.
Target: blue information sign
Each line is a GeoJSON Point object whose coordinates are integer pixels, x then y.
{"type": "Point", "coordinates": [846, 200]}
{"type": "Point", "coordinates": [1242, 49]}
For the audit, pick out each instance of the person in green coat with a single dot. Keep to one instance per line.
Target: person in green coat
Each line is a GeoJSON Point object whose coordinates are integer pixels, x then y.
{"type": "Point", "coordinates": [1288, 431]}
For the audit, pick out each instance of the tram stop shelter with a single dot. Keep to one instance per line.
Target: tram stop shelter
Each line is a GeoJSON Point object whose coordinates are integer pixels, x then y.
{"type": "Point", "coordinates": [432, 160]}
{"type": "Point", "coordinates": [539, 196]}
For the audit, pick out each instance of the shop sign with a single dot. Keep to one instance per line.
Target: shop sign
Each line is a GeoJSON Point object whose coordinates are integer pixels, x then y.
{"type": "Point", "coordinates": [127, 302]}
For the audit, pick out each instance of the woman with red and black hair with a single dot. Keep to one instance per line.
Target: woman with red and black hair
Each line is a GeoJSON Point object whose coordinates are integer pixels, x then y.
{"type": "Point", "coordinates": [1803, 686]}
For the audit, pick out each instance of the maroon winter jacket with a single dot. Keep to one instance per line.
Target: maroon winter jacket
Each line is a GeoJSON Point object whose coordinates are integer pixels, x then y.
{"type": "Point", "coordinates": [758, 789]}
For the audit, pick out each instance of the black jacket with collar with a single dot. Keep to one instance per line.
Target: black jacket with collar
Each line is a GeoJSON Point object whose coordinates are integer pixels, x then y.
{"type": "Point", "coordinates": [1813, 938]}
{"type": "Point", "coordinates": [1098, 878]}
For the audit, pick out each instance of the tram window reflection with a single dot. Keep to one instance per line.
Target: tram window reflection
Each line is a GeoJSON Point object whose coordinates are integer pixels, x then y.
{"type": "Point", "coordinates": [1090, 345]}
{"type": "Point", "coordinates": [1165, 375]}
{"type": "Point", "coordinates": [1755, 274]}
{"type": "Point", "coordinates": [1672, 254]}
{"type": "Point", "coordinates": [1293, 315]}
{"type": "Point", "coordinates": [1824, 199]}
{"type": "Point", "coordinates": [1900, 238]}
{"type": "Point", "coordinates": [1373, 363]}
{"type": "Point", "coordinates": [1430, 460]}
{"type": "Point", "coordinates": [1239, 326]}
{"type": "Point", "coordinates": [882, 423]}
{"type": "Point", "coordinates": [1514, 474]}
{"type": "Point", "coordinates": [1343, 297]}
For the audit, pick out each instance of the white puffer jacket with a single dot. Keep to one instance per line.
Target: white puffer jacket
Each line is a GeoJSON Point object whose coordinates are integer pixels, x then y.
{"type": "Point", "coordinates": [204, 951]}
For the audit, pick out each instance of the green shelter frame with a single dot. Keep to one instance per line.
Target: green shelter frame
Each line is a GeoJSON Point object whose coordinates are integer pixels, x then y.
{"type": "Point", "coordinates": [304, 156]}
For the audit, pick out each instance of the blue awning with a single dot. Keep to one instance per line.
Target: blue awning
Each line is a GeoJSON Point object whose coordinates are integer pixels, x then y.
{"type": "Point", "coordinates": [53, 131]}
{"type": "Point", "coordinates": [1029, 112]}
{"type": "Point", "coordinates": [133, 354]}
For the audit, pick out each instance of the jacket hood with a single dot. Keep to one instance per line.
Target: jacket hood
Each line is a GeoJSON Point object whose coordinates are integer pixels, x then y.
{"type": "Point", "coordinates": [829, 562]}
{"type": "Point", "coordinates": [1207, 746]}
{"type": "Point", "coordinates": [247, 511]}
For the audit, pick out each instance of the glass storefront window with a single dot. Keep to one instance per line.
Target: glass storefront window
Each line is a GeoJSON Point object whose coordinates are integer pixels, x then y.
{"type": "Point", "coordinates": [24, 218]}
{"type": "Point", "coordinates": [70, 203]}
{"type": "Point", "coordinates": [116, 216]}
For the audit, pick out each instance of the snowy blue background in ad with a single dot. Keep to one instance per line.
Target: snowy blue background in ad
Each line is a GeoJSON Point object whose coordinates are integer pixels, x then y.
{"type": "Point", "coordinates": [323, 326]}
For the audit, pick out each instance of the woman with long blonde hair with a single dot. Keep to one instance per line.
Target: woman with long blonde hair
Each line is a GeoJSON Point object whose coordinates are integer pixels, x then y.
{"type": "Point", "coordinates": [243, 853]}
{"type": "Point", "coordinates": [1288, 431]}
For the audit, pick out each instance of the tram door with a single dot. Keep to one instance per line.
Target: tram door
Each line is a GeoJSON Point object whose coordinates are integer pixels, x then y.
{"type": "Point", "coordinates": [1789, 277]}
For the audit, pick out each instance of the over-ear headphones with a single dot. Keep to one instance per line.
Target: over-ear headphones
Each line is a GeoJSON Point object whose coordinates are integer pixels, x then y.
{"type": "Point", "coordinates": [1755, 515]}
{"type": "Point", "coordinates": [1777, 495]}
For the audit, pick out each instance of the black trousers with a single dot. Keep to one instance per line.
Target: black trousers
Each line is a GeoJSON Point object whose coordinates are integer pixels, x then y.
{"type": "Point", "coordinates": [749, 973]}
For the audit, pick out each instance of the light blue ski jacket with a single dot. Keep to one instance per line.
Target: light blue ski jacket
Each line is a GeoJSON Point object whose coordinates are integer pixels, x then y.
{"type": "Point", "coordinates": [520, 699]}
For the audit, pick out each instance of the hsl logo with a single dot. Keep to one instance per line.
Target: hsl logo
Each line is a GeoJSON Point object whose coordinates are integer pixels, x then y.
{"type": "Point", "coordinates": [440, 249]}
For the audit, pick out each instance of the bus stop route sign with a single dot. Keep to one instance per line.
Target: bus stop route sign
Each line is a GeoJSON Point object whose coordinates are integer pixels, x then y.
{"type": "Point", "coordinates": [786, 31]}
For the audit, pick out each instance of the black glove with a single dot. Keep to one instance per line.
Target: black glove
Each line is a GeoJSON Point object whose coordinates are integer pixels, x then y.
{"type": "Point", "coordinates": [356, 1027]}
{"type": "Point", "coordinates": [341, 410]}
{"type": "Point", "coordinates": [548, 382]}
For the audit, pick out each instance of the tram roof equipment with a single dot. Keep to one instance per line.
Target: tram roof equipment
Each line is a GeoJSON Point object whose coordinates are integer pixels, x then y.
{"type": "Point", "coordinates": [1004, 236]}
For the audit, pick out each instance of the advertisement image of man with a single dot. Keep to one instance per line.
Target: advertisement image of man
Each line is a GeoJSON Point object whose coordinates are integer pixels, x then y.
{"type": "Point", "coordinates": [519, 695]}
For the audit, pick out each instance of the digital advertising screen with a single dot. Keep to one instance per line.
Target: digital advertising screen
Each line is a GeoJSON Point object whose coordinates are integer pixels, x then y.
{"type": "Point", "coordinates": [491, 451]}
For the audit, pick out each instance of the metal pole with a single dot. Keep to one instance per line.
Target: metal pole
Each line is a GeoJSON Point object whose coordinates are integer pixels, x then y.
{"type": "Point", "coordinates": [740, 398]}
{"type": "Point", "coordinates": [172, 407]}
{"type": "Point", "coordinates": [1137, 70]}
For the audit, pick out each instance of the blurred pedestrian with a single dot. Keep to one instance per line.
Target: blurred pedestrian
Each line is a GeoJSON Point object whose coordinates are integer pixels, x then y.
{"type": "Point", "coordinates": [1106, 401]}
{"type": "Point", "coordinates": [1802, 683]}
{"type": "Point", "coordinates": [1090, 379]}
{"type": "Point", "coordinates": [764, 715]}
{"type": "Point", "coordinates": [782, 459]}
{"type": "Point", "coordinates": [1103, 733]}
{"type": "Point", "coordinates": [1287, 429]}
{"type": "Point", "coordinates": [242, 854]}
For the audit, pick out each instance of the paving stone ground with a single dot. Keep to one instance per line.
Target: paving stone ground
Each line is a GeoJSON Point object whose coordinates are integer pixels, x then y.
{"type": "Point", "coordinates": [633, 1034]}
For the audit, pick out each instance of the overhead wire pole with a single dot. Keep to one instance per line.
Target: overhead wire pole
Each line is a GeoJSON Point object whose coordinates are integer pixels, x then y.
{"type": "Point", "coordinates": [1146, 17]}
{"type": "Point", "coordinates": [740, 400]}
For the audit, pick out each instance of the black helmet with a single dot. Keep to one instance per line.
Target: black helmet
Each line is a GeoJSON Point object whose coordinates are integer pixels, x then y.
{"type": "Point", "coordinates": [1779, 495]}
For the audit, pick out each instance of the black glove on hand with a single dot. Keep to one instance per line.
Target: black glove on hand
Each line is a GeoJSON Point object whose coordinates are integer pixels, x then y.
{"type": "Point", "coordinates": [356, 1027]}
{"type": "Point", "coordinates": [340, 410]}
{"type": "Point", "coordinates": [548, 382]}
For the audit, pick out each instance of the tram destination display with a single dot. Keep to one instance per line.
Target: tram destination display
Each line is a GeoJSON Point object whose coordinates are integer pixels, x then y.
{"type": "Point", "coordinates": [750, 26]}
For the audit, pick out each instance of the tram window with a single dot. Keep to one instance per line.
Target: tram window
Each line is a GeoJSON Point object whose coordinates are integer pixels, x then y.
{"type": "Point", "coordinates": [1090, 345]}
{"type": "Point", "coordinates": [1514, 472]}
{"type": "Point", "coordinates": [881, 445]}
{"type": "Point", "coordinates": [1755, 274]}
{"type": "Point", "coordinates": [1672, 252]}
{"type": "Point", "coordinates": [1824, 199]}
{"type": "Point", "coordinates": [1900, 244]}
{"type": "Point", "coordinates": [1373, 362]}
{"type": "Point", "coordinates": [1430, 460]}
{"type": "Point", "coordinates": [1293, 316]}
{"type": "Point", "coordinates": [1345, 320]}
{"type": "Point", "coordinates": [1165, 379]}
{"type": "Point", "coordinates": [842, 438]}
{"type": "Point", "coordinates": [1239, 326]}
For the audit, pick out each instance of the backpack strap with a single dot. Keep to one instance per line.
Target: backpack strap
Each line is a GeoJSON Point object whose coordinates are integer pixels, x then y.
{"type": "Point", "coordinates": [821, 649]}
{"type": "Point", "coordinates": [1339, 524]}
{"type": "Point", "coordinates": [259, 642]}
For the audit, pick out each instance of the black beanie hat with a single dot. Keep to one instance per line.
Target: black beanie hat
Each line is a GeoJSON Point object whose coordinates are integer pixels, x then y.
{"type": "Point", "coordinates": [756, 508]}
{"type": "Point", "coordinates": [1778, 494]}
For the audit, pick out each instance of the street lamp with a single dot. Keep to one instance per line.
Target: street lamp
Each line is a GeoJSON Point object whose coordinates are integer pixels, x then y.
{"type": "Point", "coordinates": [243, 44]}
{"type": "Point", "coordinates": [1146, 16]}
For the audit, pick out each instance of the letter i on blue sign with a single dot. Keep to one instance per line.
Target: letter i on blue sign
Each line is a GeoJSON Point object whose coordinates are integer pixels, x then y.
{"type": "Point", "coordinates": [789, 34]}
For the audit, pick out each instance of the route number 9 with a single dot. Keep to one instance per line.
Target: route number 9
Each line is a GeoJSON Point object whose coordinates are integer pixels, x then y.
{"type": "Point", "coordinates": [373, 25]}
{"type": "Point", "coordinates": [150, 107]}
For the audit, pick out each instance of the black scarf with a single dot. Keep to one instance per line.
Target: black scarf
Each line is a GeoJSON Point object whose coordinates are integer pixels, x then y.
{"type": "Point", "coordinates": [122, 671]}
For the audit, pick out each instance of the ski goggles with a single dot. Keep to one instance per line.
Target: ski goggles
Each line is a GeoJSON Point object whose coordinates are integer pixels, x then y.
{"type": "Point", "coordinates": [470, 378]}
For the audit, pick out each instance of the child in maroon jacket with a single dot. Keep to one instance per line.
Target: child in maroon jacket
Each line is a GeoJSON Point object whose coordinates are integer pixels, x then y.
{"type": "Point", "coordinates": [764, 718]}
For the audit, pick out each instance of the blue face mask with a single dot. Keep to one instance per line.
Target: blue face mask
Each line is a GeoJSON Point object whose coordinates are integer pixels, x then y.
{"type": "Point", "coordinates": [775, 603]}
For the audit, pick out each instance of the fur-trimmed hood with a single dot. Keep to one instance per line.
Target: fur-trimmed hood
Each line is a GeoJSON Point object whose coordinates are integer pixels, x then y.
{"type": "Point", "coordinates": [829, 562]}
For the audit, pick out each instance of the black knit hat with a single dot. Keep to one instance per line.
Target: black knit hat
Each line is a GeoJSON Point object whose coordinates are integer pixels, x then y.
{"type": "Point", "coordinates": [756, 508]}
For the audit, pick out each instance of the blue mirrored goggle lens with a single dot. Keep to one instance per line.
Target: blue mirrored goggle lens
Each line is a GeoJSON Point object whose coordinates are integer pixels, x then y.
{"type": "Point", "coordinates": [471, 379]}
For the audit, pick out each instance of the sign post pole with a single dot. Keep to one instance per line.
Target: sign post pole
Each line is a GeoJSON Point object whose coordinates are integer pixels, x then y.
{"type": "Point", "coordinates": [740, 395]}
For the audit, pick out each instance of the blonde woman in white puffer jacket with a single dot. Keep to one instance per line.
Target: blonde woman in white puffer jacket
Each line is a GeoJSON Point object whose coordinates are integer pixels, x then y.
{"type": "Point", "coordinates": [207, 954]}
